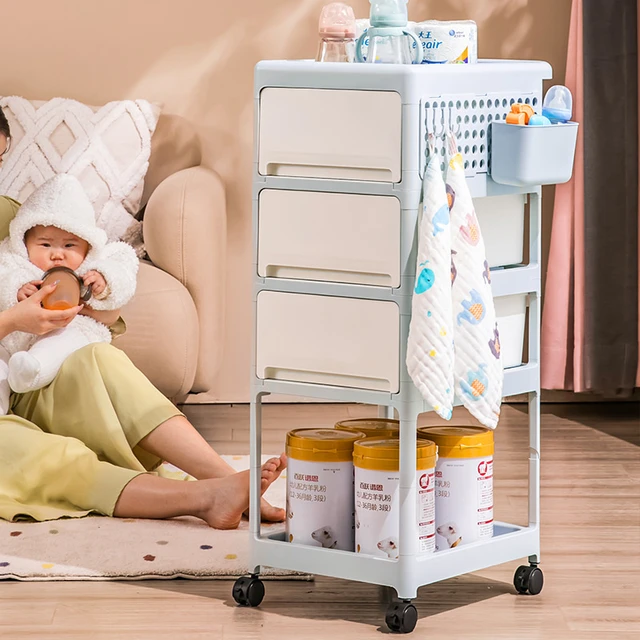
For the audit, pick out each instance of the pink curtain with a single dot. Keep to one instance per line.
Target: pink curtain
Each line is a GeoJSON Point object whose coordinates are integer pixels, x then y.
{"type": "Point", "coordinates": [563, 311]}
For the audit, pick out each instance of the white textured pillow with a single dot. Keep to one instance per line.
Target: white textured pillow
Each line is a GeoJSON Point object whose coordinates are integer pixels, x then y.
{"type": "Point", "coordinates": [107, 148]}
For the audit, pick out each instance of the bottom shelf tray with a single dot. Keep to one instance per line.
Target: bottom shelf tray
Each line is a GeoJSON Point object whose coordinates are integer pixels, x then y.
{"type": "Point", "coordinates": [509, 542]}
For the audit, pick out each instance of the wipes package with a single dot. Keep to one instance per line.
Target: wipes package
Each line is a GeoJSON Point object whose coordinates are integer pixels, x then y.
{"type": "Point", "coordinates": [453, 42]}
{"type": "Point", "coordinates": [362, 26]}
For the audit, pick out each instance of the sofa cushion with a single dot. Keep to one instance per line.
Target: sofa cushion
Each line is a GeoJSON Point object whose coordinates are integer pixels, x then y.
{"type": "Point", "coordinates": [8, 208]}
{"type": "Point", "coordinates": [107, 148]}
{"type": "Point", "coordinates": [162, 337]}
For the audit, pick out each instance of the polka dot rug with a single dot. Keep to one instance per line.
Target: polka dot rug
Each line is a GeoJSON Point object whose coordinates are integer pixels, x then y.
{"type": "Point", "coordinates": [99, 548]}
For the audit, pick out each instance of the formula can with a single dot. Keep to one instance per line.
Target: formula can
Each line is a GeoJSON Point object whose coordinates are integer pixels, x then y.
{"type": "Point", "coordinates": [320, 502]}
{"type": "Point", "coordinates": [377, 467]}
{"type": "Point", "coordinates": [464, 484]}
{"type": "Point", "coordinates": [372, 427]}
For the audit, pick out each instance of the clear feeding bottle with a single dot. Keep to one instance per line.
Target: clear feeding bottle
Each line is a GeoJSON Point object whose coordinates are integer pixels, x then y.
{"type": "Point", "coordinates": [337, 31]}
{"type": "Point", "coordinates": [390, 41]}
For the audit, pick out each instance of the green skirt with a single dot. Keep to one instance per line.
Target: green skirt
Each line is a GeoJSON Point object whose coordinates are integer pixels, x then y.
{"type": "Point", "coordinates": [70, 449]}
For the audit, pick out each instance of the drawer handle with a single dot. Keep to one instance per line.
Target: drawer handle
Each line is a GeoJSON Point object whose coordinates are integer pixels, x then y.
{"type": "Point", "coordinates": [303, 273]}
{"type": "Point", "coordinates": [316, 170]}
{"type": "Point", "coordinates": [330, 379]}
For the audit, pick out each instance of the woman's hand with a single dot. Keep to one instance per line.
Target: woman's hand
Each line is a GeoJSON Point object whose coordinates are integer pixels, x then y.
{"type": "Point", "coordinates": [30, 317]}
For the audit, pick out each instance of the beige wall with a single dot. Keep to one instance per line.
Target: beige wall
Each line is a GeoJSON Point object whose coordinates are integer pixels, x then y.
{"type": "Point", "coordinates": [197, 58]}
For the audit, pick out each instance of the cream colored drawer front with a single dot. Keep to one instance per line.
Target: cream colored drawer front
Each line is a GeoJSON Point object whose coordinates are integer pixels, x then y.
{"type": "Point", "coordinates": [334, 237]}
{"type": "Point", "coordinates": [344, 342]}
{"type": "Point", "coordinates": [319, 133]}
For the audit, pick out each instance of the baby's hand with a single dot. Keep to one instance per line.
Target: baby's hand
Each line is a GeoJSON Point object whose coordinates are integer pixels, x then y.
{"type": "Point", "coordinates": [27, 290]}
{"type": "Point", "coordinates": [97, 282]}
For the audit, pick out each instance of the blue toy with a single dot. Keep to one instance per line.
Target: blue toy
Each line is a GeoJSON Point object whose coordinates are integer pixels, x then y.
{"type": "Point", "coordinates": [539, 121]}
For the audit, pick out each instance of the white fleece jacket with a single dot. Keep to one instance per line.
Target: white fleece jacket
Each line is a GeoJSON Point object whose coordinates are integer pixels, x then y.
{"type": "Point", "coordinates": [62, 202]}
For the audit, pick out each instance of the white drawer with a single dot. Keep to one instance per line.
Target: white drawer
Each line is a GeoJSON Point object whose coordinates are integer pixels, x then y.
{"type": "Point", "coordinates": [501, 219]}
{"type": "Point", "coordinates": [511, 313]}
{"type": "Point", "coordinates": [344, 342]}
{"type": "Point", "coordinates": [333, 237]}
{"type": "Point", "coordinates": [318, 133]}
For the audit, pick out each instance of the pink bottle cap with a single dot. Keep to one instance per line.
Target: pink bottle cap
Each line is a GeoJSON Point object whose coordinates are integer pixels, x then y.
{"type": "Point", "coordinates": [337, 20]}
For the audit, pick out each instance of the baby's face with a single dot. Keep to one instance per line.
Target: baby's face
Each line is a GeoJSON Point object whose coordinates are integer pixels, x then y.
{"type": "Point", "coordinates": [50, 247]}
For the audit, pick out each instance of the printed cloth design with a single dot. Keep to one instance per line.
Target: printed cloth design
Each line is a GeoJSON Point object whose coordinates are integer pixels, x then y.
{"type": "Point", "coordinates": [430, 348]}
{"type": "Point", "coordinates": [454, 344]}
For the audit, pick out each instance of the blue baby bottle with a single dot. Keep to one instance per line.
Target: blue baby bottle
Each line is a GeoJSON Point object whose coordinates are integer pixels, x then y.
{"type": "Point", "coordinates": [558, 104]}
{"type": "Point", "coordinates": [390, 41]}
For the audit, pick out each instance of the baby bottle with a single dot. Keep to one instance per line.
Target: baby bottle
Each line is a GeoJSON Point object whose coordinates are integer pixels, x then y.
{"type": "Point", "coordinates": [337, 31]}
{"type": "Point", "coordinates": [558, 104]}
{"type": "Point", "coordinates": [67, 294]}
{"type": "Point", "coordinates": [390, 41]}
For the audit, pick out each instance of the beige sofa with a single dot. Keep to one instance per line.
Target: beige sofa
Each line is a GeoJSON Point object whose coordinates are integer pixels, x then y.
{"type": "Point", "coordinates": [175, 321]}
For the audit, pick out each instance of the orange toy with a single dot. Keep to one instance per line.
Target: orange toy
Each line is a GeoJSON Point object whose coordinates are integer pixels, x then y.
{"type": "Point", "coordinates": [520, 113]}
{"type": "Point", "coordinates": [516, 118]}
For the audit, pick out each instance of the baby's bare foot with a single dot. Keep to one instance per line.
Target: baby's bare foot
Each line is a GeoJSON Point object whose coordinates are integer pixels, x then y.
{"type": "Point", "coordinates": [227, 498]}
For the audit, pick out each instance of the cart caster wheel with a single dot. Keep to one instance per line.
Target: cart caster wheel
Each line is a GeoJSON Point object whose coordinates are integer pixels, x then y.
{"type": "Point", "coordinates": [401, 617]}
{"type": "Point", "coordinates": [248, 592]}
{"type": "Point", "coordinates": [528, 580]}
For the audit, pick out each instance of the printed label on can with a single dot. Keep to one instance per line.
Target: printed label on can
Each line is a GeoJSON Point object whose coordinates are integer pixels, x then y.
{"type": "Point", "coordinates": [464, 501]}
{"type": "Point", "coordinates": [378, 512]}
{"type": "Point", "coordinates": [320, 504]}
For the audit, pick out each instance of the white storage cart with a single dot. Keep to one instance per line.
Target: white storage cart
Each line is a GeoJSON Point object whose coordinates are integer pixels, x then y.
{"type": "Point", "coordinates": [339, 154]}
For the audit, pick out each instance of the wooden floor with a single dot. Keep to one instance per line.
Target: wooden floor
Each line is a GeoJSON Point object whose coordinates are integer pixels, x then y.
{"type": "Point", "coordinates": [590, 553]}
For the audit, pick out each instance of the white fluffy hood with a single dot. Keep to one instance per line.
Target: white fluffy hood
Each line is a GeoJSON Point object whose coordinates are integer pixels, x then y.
{"type": "Point", "coordinates": [59, 202]}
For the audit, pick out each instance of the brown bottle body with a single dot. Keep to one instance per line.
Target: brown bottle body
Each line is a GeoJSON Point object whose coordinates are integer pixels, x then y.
{"type": "Point", "coordinates": [66, 294]}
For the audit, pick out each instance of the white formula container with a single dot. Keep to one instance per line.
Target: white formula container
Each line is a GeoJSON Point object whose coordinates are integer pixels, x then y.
{"type": "Point", "coordinates": [371, 427]}
{"type": "Point", "coordinates": [377, 477]}
{"type": "Point", "coordinates": [320, 488]}
{"type": "Point", "coordinates": [464, 484]}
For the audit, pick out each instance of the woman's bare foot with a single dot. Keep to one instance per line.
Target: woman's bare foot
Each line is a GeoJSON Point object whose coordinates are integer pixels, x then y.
{"type": "Point", "coordinates": [269, 513]}
{"type": "Point", "coordinates": [227, 498]}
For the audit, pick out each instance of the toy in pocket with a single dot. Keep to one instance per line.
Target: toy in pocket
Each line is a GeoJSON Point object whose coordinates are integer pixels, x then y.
{"type": "Point", "coordinates": [69, 293]}
{"type": "Point", "coordinates": [557, 108]}
{"type": "Point", "coordinates": [520, 113]}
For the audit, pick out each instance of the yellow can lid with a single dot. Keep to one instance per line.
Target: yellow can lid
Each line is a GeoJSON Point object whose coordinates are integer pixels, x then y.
{"type": "Point", "coordinates": [321, 445]}
{"type": "Point", "coordinates": [383, 454]}
{"type": "Point", "coordinates": [371, 427]}
{"type": "Point", "coordinates": [460, 442]}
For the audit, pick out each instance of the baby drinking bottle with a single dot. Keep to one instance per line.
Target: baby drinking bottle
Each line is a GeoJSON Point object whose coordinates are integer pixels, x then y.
{"type": "Point", "coordinates": [69, 292]}
{"type": "Point", "coordinates": [337, 31]}
{"type": "Point", "coordinates": [558, 104]}
{"type": "Point", "coordinates": [390, 41]}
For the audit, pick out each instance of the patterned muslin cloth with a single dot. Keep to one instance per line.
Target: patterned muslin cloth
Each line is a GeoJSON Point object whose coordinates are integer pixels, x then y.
{"type": "Point", "coordinates": [454, 345]}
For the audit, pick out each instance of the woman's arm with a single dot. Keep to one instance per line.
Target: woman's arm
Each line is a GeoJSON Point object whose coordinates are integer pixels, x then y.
{"type": "Point", "coordinates": [107, 318]}
{"type": "Point", "coordinates": [30, 317]}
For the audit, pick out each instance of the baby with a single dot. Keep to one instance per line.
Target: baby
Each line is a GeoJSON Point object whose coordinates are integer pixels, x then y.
{"type": "Point", "coordinates": [55, 227]}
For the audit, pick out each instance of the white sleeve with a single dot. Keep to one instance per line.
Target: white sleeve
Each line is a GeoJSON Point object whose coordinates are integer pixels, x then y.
{"type": "Point", "coordinates": [14, 273]}
{"type": "Point", "coordinates": [118, 264]}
